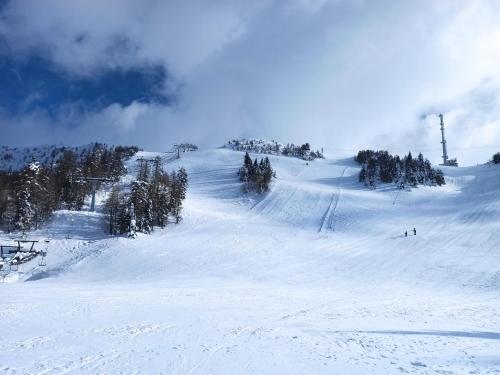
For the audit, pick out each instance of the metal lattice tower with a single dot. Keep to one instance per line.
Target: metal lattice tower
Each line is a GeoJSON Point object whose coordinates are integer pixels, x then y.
{"type": "Point", "coordinates": [446, 160]}
{"type": "Point", "coordinates": [443, 141]}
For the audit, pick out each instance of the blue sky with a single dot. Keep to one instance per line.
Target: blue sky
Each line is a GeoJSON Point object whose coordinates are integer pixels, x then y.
{"type": "Point", "coordinates": [341, 74]}
{"type": "Point", "coordinates": [34, 83]}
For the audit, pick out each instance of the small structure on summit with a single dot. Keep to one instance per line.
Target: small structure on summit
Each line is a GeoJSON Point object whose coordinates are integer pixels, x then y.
{"type": "Point", "coordinates": [446, 161]}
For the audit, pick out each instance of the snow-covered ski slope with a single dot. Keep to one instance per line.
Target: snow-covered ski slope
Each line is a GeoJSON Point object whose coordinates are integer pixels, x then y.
{"type": "Point", "coordinates": [314, 277]}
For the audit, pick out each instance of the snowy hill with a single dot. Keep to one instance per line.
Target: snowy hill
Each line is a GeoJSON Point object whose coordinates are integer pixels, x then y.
{"type": "Point", "coordinates": [314, 277]}
{"type": "Point", "coordinates": [262, 146]}
{"type": "Point", "coordinates": [15, 158]}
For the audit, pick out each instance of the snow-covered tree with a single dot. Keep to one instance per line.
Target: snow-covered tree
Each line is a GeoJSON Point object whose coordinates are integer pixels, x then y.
{"type": "Point", "coordinates": [259, 146]}
{"type": "Point", "coordinates": [142, 206]}
{"type": "Point", "coordinates": [112, 209]}
{"type": "Point", "coordinates": [132, 221]}
{"type": "Point", "coordinates": [175, 203]}
{"type": "Point", "coordinates": [29, 197]}
{"type": "Point", "coordinates": [25, 214]}
{"type": "Point", "coordinates": [256, 176]}
{"type": "Point", "coordinates": [150, 203]}
{"type": "Point", "coordinates": [380, 166]}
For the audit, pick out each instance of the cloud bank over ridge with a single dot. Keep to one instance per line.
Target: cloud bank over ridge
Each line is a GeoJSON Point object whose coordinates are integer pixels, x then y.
{"type": "Point", "coordinates": [340, 74]}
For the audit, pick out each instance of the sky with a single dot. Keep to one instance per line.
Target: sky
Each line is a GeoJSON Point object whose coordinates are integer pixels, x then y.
{"type": "Point", "coordinates": [343, 75]}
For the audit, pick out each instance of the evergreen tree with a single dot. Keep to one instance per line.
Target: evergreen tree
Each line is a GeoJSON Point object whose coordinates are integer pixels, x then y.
{"type": "Point", "coordinates": [143, 173]}
{"type": "Point", "coordinates": [372, 173]}
{"type": "Point", "coordinates": [112, 209]}
{"type": "Point", "coordinates": [410, 177]}
{"type": "Point", "coordinates": [267, 174]}
{"type": "Point", "coordinates": [439, 178]}
{"type": "Point", "coordinates": [183, 183]}
{"type": "Point", "coordinates": [247, 161]}
{"type": "Point", "coordinates": [66, 166]}
{"type": "Point", "coordinates": [132, 221]}
{"type": "Point", "coordinates": [142, 206]}
{"type": "Point", "coordinates": [25, 215]}
{"type": "Point", "coordinates": [175, 197]}
{"type": "Point", "coordinates": [381, 166]}
{"type": "Point", "coordinates": [162, 206]}
{"type": "Point", "coordinates": [399, 176]}
{"type": "Point", "coordinates": [7, 200]}
{"type": "Point", "coordinates": [9, 215]}
{"type": "Point", "coordinates": [257, 175]}
{"type": "Point", "coordinates": [117, 168]}
{"type": "Point", "coordinates": [420, 170]}
{"type": "Point", "coordinates": [28, 198]}
{"type": "Point", "coordinates": [362, 173]}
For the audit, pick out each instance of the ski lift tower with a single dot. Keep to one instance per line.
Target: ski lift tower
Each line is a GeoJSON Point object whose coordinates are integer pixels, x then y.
{"type": "Point", "coordinates": [155, 161]}
{"type": "Point", "coordinates": [446, 161]}
{"type": "Point", "coordinates": [94, 181]}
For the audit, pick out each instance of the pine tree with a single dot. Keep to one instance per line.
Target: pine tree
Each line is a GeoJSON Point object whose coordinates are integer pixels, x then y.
{"type": "Point", "coordinates": [132, 230]}
{"type": "Point", "coordinates": [381, 166]}
{"type": "Point", "coordinates": [439, 178]}
{"type": "Point", "coordinates": [371, 173]}
{"type": "Point", "coordinates": [139, 198]}
{"type": "Point", "coordinates": [112, 209]}
{"type": "Point", "coordinates": [117, 168]}
{"type": "Point", "coordinates": [247, 161]}
{"type": "Point", "coordinates": [267, 173]}
{"type": "Point", "coordinates": [399, 177]}
{"type": "Point", "coordinates": [253, 174]}
{"type": "Point", "coordinates": [175, 197]}
{"type": "Point", "coordinates": [9, 214]}
{"type": "Point", "coordinates": [420, 170]}
{"type": "Point", "coordinates": [256, 175]}
{"type": "Point", "coordinates": [44, 198]}
{"type": "Point", "coordinates": [362, 173]}
{"type": "Point", "coordinates": [183, 183]}
{"type": "Point", "coordinates": [25, 215]}
{"type": "Point", "coordinates": [143, 173]}
{"type": "Point", "coordinates": [410, 170]}
{"type": "Point", "coordinates": [28, 195]}
{"type": "Point", "coordinates": [162, 206]}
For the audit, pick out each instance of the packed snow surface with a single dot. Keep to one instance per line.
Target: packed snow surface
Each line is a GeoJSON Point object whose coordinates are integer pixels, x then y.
{"type": "Point", "coordinates": [314, 277]}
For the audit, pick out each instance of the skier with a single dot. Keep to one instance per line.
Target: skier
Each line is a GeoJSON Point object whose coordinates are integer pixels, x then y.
{"type": "Point", "coordinates": [414, 232]}
{"type": "Point", "coordinates": [406, 233]}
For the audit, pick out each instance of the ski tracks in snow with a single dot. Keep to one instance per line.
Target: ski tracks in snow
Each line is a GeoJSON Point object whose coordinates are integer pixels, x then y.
{"type": "Point", "coordinates": [81, 252]}
{"type": "Point", "coordinates": [329, 216]}
{"type": "Point", "coordinates": [239, 334]}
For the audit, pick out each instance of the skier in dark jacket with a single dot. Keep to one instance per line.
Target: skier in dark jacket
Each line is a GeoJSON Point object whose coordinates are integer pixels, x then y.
{"type": "Point", "coordinates": [406, 233]}
{"type": "Point", "coordinates": [414, 232]}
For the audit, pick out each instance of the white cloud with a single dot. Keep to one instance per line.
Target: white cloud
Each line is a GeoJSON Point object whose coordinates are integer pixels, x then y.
{"type": "Point", "coordinates": [83, 35]}
{"type": "Point", "coordinates": [122, 118]}
{"type": "Point", "coordinates": [341, 74]}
